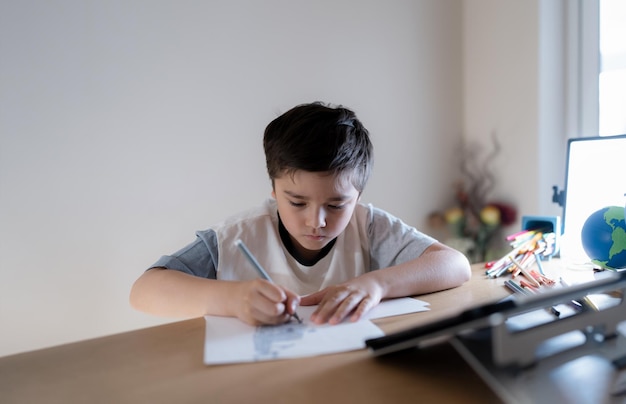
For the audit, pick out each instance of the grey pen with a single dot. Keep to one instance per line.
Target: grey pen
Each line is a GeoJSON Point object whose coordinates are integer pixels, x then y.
{"type": "Point", "coordinates": [259, 268]}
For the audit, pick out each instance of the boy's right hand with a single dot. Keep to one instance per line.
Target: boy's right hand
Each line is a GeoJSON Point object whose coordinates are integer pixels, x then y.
{"type": "Point", "coordinates": [261, 302]}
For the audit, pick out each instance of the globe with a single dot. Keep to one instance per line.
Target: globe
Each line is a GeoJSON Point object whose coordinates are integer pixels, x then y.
{"type": "Point", "coordinates": [604, 237]}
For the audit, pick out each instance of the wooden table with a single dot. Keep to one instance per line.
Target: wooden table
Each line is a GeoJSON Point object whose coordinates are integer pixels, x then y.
{"type": "Point", "coordinates": [163, 364]}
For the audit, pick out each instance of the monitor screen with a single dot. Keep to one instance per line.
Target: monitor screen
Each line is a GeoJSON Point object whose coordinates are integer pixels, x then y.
{"type": "Point", "coordinates": [595, 177]}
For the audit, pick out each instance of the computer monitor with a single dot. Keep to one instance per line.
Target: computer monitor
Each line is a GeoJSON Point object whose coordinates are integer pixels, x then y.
{"type": "Point", "coordinates": [595, 177]}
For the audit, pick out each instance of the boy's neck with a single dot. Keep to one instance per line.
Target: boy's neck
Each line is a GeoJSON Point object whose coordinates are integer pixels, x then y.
{"type": "Point", "coordinates": [288, 243]}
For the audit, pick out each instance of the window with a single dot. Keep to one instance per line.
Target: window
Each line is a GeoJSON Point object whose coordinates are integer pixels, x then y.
{"type": "Point", "coordinates": [612, 75]}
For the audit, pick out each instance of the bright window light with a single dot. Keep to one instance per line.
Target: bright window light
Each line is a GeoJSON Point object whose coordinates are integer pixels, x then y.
{"type": "Point", "coordinates": [612, 84]}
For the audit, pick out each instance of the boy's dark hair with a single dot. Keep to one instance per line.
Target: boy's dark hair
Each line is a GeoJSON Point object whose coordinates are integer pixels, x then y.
{"type": "Point", "coordinates": [319, 138]}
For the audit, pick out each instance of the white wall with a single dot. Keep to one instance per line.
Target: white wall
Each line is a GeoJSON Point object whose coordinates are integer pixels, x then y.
{"type": "Point", "coordinates": [514, 86]}
{"type": "Point", "coordinates": [126, 125]}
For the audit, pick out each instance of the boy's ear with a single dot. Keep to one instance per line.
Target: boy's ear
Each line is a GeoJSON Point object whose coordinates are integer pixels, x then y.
{"type": "Point", "coordinates": [273, 193]}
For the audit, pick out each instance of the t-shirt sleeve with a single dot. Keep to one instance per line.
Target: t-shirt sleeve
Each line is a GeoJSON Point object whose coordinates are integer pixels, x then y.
{"type": "Point", "coordinates": [392, 241]}
{"type": "Point", "coordinates": [199, 258]}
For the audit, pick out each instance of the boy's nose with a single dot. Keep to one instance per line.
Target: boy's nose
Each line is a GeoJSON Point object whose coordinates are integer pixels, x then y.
{"type": "Point", "coordinates": [317, 219]}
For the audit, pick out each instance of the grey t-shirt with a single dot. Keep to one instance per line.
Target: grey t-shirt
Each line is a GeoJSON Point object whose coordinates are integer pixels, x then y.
{"type": "Point", "coordinates": [391, 242]}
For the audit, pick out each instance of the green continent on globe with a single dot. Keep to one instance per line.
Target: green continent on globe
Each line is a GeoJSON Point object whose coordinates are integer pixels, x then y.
{"type": "Point", "coordinates": [613, 216]}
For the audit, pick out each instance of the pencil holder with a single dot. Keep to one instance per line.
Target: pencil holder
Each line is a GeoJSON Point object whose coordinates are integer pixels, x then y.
{"type": "Point", "coordinates": [549, 225]}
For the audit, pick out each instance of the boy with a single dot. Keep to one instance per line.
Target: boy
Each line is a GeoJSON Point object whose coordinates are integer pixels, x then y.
{"type": "Point", "coordinates": [318, 244]}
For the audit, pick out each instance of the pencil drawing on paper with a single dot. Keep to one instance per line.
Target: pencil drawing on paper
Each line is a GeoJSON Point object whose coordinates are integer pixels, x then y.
{"type": "Point", "coordinates": [271, 340]}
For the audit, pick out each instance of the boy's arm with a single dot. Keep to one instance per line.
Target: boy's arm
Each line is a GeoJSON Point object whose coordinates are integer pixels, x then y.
{"type": "Point", "coordinates": [439, 267]}
{"type": "Point", "coordinates": [172, 293]}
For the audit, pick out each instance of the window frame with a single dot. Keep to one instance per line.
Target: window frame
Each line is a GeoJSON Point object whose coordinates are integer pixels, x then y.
{"type": "Point", "coordinates": [583, 64]}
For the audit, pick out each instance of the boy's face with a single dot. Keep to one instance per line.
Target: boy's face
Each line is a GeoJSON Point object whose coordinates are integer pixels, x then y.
{"type": "Point", "coordinates": [314, 208]}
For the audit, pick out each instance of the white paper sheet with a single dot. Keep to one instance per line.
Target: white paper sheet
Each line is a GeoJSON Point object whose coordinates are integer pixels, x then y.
{"type": "Point", "coordinates": [229, 340]}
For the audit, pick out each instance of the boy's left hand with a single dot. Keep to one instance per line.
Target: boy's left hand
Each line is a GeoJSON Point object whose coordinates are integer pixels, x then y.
{"type": "Point", "coordinates": [350, 299]}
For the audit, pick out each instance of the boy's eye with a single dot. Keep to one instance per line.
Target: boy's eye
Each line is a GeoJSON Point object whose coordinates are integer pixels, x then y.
{"type": "Point", "coordinates": [296, 204]}
{"type": "Point", "coordinates": [337, 207]}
